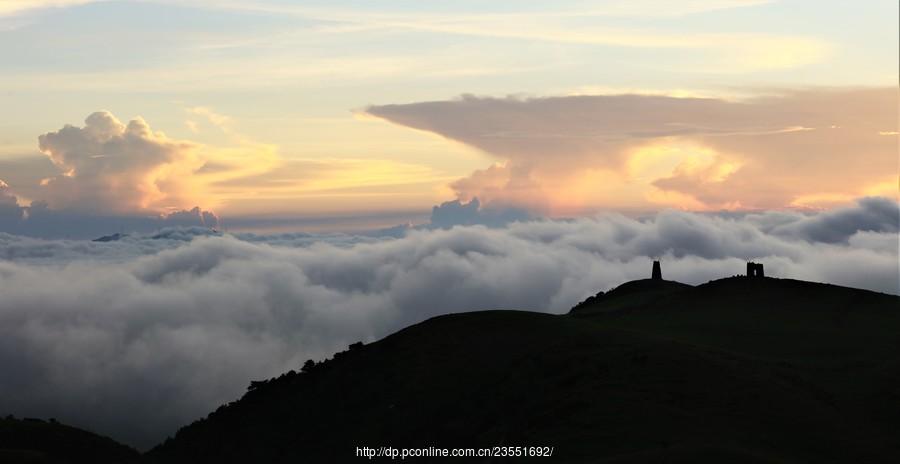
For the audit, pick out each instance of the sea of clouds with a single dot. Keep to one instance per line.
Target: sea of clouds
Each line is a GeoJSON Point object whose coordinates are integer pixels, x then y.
{"type": "Point", "coordinates": [137, 336]}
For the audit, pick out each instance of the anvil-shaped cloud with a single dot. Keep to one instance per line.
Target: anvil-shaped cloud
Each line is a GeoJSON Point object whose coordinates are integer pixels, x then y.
{"type": "Point", "coordinates": [814, 147]}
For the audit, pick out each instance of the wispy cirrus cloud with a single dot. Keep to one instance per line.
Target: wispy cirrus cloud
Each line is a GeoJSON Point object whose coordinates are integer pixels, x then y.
{"type": "Point", "coordinates": [565, 24]}
{"type": "Point", "coordinates": [219, 60]}
{"type": "Point", "coordinates": [12, 7]}
{"type": "Point", "coordinates": [272, 69]}
{"type": "Point", "coordinates": [614, 8]}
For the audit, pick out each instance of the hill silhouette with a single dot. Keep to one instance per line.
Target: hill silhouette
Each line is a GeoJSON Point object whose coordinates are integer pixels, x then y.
{"type": "Point", "coordinates": [36, 441]}
{"type": "Point", "coordinates": [637, 293]}
{"type": "Point", "coordinates": [737, 370]}
{"type": "Point", "coordinates": [754, 370]}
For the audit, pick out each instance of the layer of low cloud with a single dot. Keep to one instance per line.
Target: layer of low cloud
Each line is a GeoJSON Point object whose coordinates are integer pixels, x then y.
{"type": "Point", "coordinates": [809, 148]}
{"type": "Point", "coordinates": [137, 336]}
{"type": "Point", "coordinates": [41, 221]}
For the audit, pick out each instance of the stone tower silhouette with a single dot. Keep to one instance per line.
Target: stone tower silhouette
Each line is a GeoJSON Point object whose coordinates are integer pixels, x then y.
{"type": "Point", "coordinates": [755, 270]}
{"type": "Point", "coordinates": [657, 271]}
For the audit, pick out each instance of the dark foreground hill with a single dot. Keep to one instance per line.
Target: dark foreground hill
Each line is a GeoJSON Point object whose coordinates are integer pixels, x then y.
{"type": "Point", "coordinates": [39, 442]}
{"type": "Point", "coordinates": [734, 371]}
{"type": "Point", "coordinates": [739, 370]}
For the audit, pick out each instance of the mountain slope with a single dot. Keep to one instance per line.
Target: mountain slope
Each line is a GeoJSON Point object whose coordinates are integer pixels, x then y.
{"type": "Point", "coordinates": [44, 442]}
{"type": "Point", "coordinates": [736, 370]}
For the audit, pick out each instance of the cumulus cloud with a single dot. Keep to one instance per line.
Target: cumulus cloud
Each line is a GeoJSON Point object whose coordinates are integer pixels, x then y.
{"type": "Point", "coordinates": [799, 148]}
{"type": "Point", "coordinates": [110, 167]}
{"type": "Point", "coordinates": [110, 177]}
{"type": "Point", "coordinates": [138, 336]}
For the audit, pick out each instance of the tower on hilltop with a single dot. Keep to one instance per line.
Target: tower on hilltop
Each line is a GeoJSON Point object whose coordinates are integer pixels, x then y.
{"type": "Point", "coordinates": [755, 270]}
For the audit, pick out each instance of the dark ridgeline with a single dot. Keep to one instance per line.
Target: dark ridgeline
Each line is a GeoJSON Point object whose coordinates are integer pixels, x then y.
{"type": "Point", "coordinates": [657, 271]}
{"type": "Point", "coordinates": [755, 270]}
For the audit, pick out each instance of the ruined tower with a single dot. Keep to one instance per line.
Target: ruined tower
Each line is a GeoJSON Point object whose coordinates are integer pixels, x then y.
{"type": "Point", "coordinates": [755, 270]}
{"type": "Point", "coordinates": [657, 271]}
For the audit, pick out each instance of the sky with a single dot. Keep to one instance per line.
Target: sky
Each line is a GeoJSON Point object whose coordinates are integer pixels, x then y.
{"type": "Point", "coordinates": [273, 180]}
{"type": "Point", "coordinates": [343, 115]}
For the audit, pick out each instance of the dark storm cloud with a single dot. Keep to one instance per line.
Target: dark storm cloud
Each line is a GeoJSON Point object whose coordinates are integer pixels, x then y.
{"type": "Point", "coordinates": [137, 336]}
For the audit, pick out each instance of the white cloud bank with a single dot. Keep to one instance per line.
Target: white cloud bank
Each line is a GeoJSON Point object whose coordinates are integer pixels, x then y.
{"type": "Point", "coordinates": [135, 337]}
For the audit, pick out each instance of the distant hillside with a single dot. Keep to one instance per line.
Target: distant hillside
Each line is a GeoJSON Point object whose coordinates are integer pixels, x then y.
{"type": "Point", "coordinates": [740, 370]}
{"type": "Point", "coordinates": [637, 293]}
{"type": "Point", "coordinates": [45, 442]}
